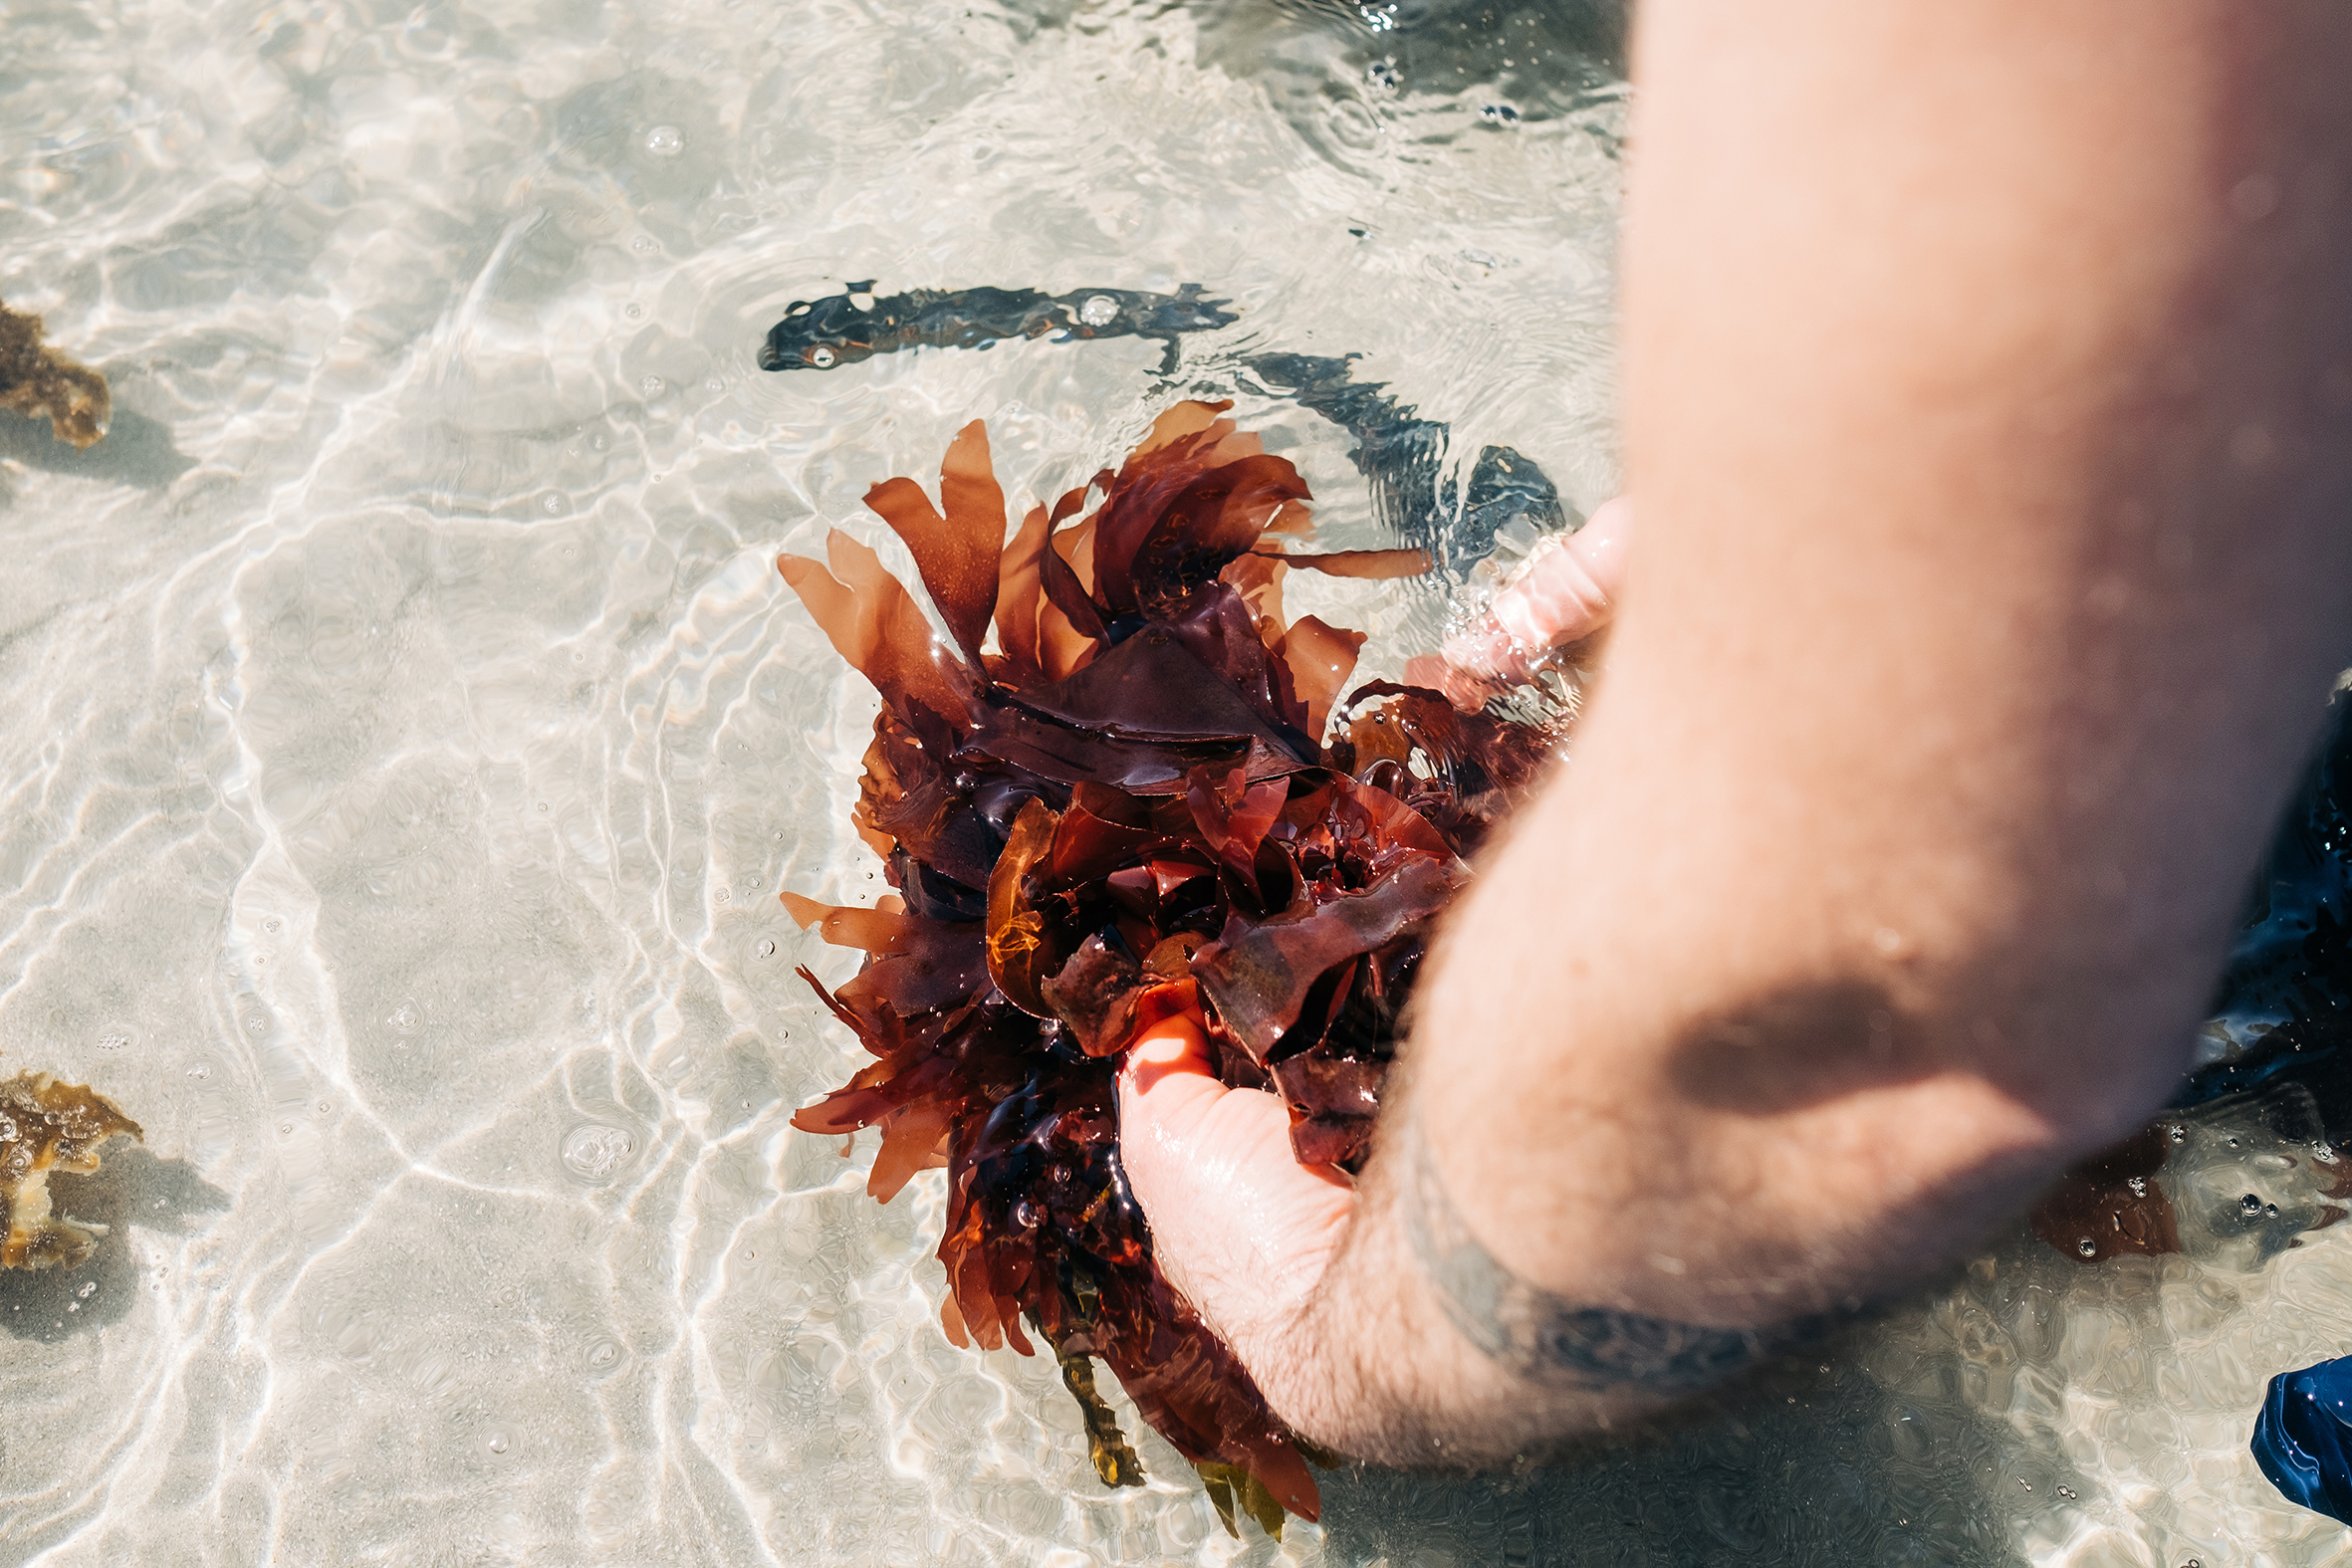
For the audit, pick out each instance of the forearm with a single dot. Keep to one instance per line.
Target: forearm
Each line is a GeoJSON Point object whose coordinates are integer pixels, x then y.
{"type": "Point", "coordinates": [1421, 1347]}
{"type": "Point", "coordinates": [1988, 377]}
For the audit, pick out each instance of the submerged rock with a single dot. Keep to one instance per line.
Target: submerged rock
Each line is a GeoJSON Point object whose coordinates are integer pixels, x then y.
{"type": "Point", "coordinates": [39, 383]}
{"type": "Point", "coordinates": [45, 1126]}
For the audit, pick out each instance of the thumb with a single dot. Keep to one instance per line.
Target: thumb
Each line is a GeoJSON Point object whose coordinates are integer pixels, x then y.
{"type": "Point", "coordinates": [1238, 1223]}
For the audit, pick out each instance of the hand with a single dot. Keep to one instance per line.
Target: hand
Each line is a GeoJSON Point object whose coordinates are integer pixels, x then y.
{"type": "Point", "coordinates": [1237, 1222]}
{"type": "Point", "coordinates": [1565, 595]}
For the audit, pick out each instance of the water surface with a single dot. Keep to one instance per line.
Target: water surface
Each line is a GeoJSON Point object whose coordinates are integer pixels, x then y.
{"type": "Point", "coordinates": [407, 736]}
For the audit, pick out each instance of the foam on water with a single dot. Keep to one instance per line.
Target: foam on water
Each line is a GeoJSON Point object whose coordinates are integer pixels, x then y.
{"type": "Point", "coordinates": [407, 736]}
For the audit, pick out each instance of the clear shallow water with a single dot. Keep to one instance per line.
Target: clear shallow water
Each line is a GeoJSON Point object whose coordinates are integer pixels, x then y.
{"type": "Point", "coordinates": [405, 735]}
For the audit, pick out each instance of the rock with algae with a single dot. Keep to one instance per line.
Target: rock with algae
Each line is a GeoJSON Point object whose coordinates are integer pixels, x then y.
{"type": "Point", "coordinates": [46, 1126]}
{"type": "Point", "coordinates": [39, 383]}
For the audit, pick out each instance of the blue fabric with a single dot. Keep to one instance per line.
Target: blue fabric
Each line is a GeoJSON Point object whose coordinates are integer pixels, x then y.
{"type": "Point", "coordinates": [2303, 1439]}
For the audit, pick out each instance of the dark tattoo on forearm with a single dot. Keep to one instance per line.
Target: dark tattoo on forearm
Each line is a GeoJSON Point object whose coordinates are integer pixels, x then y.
{"type": "Point", "coordinates": [1547, 1338]}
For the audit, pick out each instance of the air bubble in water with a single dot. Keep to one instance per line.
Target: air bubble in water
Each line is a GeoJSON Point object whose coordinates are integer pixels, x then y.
{"type": "Point", "coordinates": [601, 1355]}
{"type": "Point", "coordinates": [1100, 310]}
{"type": "Point", "coordinates": [2087, 1247]}
{"type": "Point", "coordinates": [651, 384]}
{"type": "Point", "coordinates": [496, 1443]}
{"type": "Point", "coordinates": [636, 313]}
{"type": "Point", "coordinates": [823, 358]}
{"type": "Point", "coordinates": [594, 1152]}
{"type": "Point", "coordinates": [767, 946]}
{"type": "Point", "coordinates": [666, 142]}
{"type": "Point", "coordinates": [404, 1016]}
{"type": "Point", "coordinates": [114, 1043]}
{"type": "Point", "coordinates": [552, 504]}
{"type": "Point", "coordinates": [201, 1071]}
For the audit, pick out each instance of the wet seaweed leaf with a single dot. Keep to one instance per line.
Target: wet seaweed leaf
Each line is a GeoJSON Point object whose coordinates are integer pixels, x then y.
{"type": "Point", "coordinates": [874, 624]}
{"type": "Point", "coordinates": [1065, 566]}
{"type": "Point", "coordinates": [1259, 973]}
{"type": "Point", "coordinates": [1234, 1492]}
{"type": "Point", "coordinates": [1152, 687]}
{"type": "Point", "coordinates": [957, 554]}
{"type": "Point", "coordinates": [1373, 565]}
{"type": "Point", "coordinates": [1319, 658]}
{"type": "Point", "coordinates": [1018, 957]}
{"type": "Point", "coordinates": [1107, 1445]}
{"type": "Point", "coordinates": [1094, 994]}
{"type": "Point", "coordinates": [1020, 594]}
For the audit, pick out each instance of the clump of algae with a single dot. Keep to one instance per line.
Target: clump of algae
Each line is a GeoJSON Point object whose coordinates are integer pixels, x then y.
{"type": "Point", "coordinates": [38, 381]}
{"type": "Point", "coordinates": [46, 1126]}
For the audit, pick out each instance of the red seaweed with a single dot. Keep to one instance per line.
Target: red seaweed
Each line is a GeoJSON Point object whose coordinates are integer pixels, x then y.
{"type": "Point", "coordinates": [1119, 810]}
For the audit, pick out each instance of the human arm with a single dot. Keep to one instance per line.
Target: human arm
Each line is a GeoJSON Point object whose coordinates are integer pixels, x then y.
{"type": "Point", "coordinates": [1989, 374]}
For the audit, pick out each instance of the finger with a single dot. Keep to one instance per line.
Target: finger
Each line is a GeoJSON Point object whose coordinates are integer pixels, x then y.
{"type": "Point", "coordinates": [1602, 541]}
{"type": "Point", "coordinates": [1466, 691]}
{"type": "Point", "coordinates": [1183, 1132]}
{"type": "Point", "coordinates": [1238, 1224]}
{"type": "Point", "coordinates": [1170, 1101]}
{"type": "Point", "coordinates": [1557, 602]}
{"type": "Point", "coordinates": [1483, 649]}
{"type": "Point", "coordinates": [1173, 1045]}
{"type": "Point", "coordinates": [1568, 592]}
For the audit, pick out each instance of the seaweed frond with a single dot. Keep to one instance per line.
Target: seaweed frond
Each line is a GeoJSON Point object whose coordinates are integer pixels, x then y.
{"type": "Point", "coordinates": [1107, 800]}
